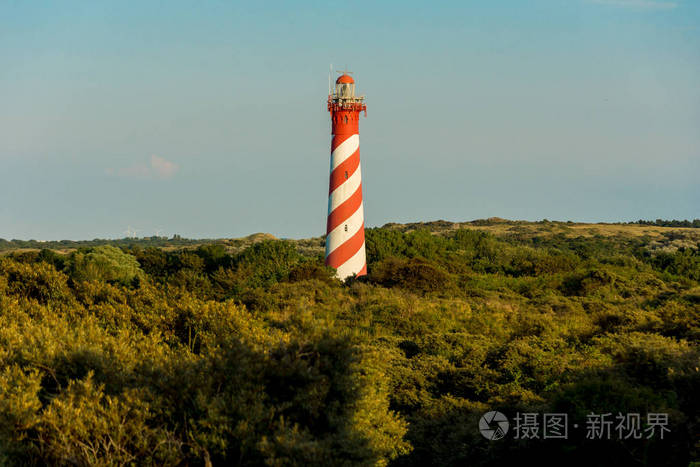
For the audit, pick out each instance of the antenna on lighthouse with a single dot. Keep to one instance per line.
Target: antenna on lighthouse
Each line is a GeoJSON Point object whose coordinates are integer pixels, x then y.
{"type": "Point", "coordinates": [329, 79]}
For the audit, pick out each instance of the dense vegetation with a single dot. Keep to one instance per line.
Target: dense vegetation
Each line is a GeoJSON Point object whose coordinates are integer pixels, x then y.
{"type": "Point", "coordinates": [212, 355]}
{"type": "Point", "coordinates": [155, 241]}
{"type": "Point", "coordinates": [671, 223]}
{"type": "Point", "coordinates": [178, 241]}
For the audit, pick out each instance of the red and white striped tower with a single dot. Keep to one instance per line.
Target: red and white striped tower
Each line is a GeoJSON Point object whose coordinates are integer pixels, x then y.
{"type": "Point", "coordinates": [345, 231]}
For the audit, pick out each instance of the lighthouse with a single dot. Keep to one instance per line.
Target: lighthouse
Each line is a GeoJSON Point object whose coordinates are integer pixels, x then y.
{"type": "Point", "coordinates": [345, 230]}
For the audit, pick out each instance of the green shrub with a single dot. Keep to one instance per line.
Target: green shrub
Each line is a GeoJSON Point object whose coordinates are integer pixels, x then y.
{"type": "Point", "coordinates": [38, 281]}
{"type": "Point", "coordinates": [311, 270]}
{"type": "Point", "coordinates": [104, 263]}
{"type": "Point", "coordinates": [414, 274]}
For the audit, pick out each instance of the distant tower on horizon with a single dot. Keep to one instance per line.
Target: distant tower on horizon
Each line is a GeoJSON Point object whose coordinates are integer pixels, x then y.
{"type": "Point", "coordinates": [345, 230]}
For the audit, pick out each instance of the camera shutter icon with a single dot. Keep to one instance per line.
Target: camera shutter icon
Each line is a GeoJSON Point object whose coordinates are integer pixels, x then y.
{"type": "Point", "coordinates": [493, 425]}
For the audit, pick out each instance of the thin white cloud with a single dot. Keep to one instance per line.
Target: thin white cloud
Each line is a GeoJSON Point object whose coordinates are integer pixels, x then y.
{"type": "Point", "coordinates": [162, 167]}
{"type": "Point", "coordinates": [159, 167]}
{"type": "Point", "coordinates": [639, 4]}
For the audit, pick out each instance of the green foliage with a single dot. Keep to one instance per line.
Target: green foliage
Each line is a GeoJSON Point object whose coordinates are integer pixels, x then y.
{"type": "Point", "coordinates": [412, 274]}
{"type": "Point", "coordinates": [684, 262]}
{"type": "Point", "coordinates": [104, 263]}
{"type": "Point", "coordinates": [41, 282]}
{"type": "Point", "coordinates": [312, 270]}
{"type": "Point", "coordinates": [84, 426]}
{"type": "Point", "coordinates": [670, 223]}
{"type": "Point", "coordinates": [154, 261]}
{"type": "Point", "coordinates": [267, 262]}
{"type": "Point", "coordinates": [259, 356]}
{"type": "Point", "coordinates": [143, 242]}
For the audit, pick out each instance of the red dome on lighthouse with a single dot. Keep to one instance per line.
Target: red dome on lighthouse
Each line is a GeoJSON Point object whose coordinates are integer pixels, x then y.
{"type": "Point", "coordinates": [344, 79]}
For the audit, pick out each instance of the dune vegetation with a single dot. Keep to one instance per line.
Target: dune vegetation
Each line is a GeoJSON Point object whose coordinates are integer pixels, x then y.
{"type": "Point", "coordinates": [231, 353]}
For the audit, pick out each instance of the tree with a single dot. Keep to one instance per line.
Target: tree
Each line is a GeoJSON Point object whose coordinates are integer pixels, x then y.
{"type": "Point", "coordinates": [104, 263]}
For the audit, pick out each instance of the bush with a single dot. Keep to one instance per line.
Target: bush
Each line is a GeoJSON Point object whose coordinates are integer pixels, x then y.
{"type": "Point", "coordinates": [40, 282]}
{"type": "Point", "coordinates": [311, 270]}
{"type": "Point", "coordinates": [414, 274]}
{"type": "Point", "coordinates": [266, 263]}
{"type": "Point", "coordinates": [104, 263]}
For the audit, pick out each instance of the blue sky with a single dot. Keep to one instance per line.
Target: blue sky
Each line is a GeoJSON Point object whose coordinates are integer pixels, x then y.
{"type": "Point", "coordinates": [208, 119]}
